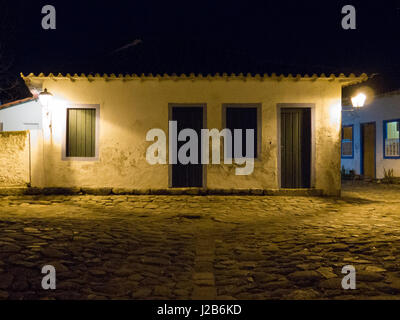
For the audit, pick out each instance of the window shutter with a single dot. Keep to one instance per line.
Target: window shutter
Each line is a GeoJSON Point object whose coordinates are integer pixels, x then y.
{"type": "Point", "coordinates": [81, 133]}
{"type": "Point", "coordinates": [347, 141]}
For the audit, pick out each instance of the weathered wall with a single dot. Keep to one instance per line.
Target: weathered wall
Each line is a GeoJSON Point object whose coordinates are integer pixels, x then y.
{"type": "Point", "coordinates": [382, 108]}
{"type": "Point", "coordinates": [14, 158]}
{"type": "Point", "coordinates": [128, 109]}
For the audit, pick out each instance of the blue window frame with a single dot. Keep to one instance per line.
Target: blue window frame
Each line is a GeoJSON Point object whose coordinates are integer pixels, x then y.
{"type": "Point", "coordinates": [391, 139]}
{"type": "Point", "coordinates": [348, 142]}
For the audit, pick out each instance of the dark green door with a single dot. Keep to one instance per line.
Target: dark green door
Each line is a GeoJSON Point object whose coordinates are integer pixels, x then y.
{"type": "Point", "coordinates": [295, 148]}
{"type": "Point", "coordinates": [188, 175]}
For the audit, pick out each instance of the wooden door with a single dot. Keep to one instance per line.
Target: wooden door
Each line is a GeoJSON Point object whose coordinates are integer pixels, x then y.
{"type": "Point", "coordinates": [368, 132]}
{"type": "Point", "coordinates": [296, 148]}
{"type": "Point", "coordinates": [188, 175]}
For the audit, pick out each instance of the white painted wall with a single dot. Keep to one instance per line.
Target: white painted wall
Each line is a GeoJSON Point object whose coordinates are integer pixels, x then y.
{"type": "Point", "coordinates": [20, 117]}
{"type": "Point", "coordinates": [130, 108]}
{"type": "Point", "coordinates": [382, 108]}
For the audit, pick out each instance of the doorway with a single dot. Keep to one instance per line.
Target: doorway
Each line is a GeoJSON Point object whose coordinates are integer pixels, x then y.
{"type": "Point", "coordinates": [368, 147]}
{"type": "Point", "coordinates": [295, 148]}
{"type": "Point", "coordinates": [188, 175]}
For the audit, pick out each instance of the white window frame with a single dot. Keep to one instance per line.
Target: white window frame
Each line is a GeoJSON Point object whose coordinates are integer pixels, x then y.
{"type": "Point", "coordinates": [385, 127]}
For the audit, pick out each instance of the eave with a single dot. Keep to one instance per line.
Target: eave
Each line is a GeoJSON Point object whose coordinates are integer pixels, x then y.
{"type": "Point", "coordinates": [345, 80]}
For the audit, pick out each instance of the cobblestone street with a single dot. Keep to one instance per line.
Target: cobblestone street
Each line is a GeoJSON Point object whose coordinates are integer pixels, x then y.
{"type": "Point", "coordinates": [202, 247]}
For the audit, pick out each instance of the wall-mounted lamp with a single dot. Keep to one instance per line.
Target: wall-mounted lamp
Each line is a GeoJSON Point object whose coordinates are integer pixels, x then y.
{"type": "Point", "coordinates": [358, 101]}
{"type": "Point", "coordinates": [45, 98]}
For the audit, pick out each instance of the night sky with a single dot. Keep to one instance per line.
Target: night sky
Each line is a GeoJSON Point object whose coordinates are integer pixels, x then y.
{"type": "Point", "coordinates": [201, 37]}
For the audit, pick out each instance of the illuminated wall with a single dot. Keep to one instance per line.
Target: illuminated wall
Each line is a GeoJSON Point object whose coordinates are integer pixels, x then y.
{"type": "Point", "coordinates": [131, 107]}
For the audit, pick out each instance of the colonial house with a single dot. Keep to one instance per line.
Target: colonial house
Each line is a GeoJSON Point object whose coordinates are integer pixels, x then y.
{"type": "Point", "coordinates": [95, 127]}
{"type": "Point", "coordinates": [370, 138]}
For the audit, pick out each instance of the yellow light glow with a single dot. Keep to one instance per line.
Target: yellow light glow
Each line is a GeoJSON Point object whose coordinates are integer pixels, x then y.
{"type": "Point", "coordinates": [358, 100]}
{"type": "Point", "coordinates": [335, 113]}
{"type": "Point", "coordinates": [45, 98]}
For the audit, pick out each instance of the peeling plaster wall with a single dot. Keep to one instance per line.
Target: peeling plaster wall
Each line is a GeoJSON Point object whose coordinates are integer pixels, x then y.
{"type": "Point", "coordinates": [14, 158]}
{"type": "Point", "coordinates": [128, 109]}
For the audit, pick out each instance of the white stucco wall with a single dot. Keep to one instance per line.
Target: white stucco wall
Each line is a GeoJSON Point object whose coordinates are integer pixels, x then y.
{"type": "Point", "coordinates": [23, 116]}
{"type": "Point", "coordinates": [381, 109]}
{"type": "Point", "coordinates": [129, 108]}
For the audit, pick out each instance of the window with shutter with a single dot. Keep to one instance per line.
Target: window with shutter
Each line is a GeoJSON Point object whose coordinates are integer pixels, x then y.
{"type": "Point", "coordinates": [391, 138]}
{"type": "Point", "coordinates": [81, 133]}
{"type": "Point", "coordinates": [347, 142]}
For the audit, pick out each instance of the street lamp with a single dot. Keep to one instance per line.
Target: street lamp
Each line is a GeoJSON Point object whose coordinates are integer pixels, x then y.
{"type": "Point", "coordinates": [358, 101]}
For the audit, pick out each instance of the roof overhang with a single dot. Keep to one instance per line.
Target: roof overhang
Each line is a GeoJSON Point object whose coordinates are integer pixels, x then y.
{"type": "Point", "coordinates": [345, 80]}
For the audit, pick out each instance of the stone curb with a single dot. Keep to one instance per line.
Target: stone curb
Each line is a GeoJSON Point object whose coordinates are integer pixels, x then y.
{"type": "Point", "coordinates": [171, 192]}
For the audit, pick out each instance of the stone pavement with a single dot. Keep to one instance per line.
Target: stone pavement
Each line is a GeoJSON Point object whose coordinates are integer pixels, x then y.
{"type": "Point", "coordinates": [202, 247]}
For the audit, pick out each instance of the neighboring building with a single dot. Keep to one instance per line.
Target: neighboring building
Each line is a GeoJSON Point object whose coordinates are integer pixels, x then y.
{"type": "Point", "coordinates": [370, 137]}
{"type": "Point", "coordinates": [95, 132]}
{"type": "Point", "coordinates": [25, 114]}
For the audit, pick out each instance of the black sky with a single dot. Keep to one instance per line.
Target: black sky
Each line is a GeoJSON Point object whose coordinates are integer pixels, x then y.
{"type": "Point", "coordinates": [299, 35]}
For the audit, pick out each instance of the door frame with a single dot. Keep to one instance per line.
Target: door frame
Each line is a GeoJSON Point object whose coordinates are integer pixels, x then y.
{"type": "Point", "coordinates": [188, 105]}
{"type": "Point", "coordinates": [310, 106]}
{"type": "Point", "coordinates": [362, 147]}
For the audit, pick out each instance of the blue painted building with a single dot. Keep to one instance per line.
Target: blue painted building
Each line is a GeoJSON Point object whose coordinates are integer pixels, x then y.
{"type": "Point", "coordinates": [370, 136]}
